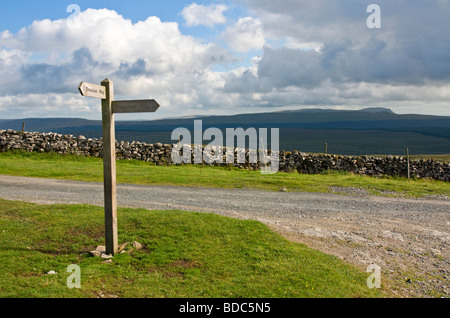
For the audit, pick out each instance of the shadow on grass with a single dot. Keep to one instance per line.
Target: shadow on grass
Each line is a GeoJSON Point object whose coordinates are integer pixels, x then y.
{"type": "Point", "coordinates": [51, 252]}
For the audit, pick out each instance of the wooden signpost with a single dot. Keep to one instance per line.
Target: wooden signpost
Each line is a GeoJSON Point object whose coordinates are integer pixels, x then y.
{"type": "Point", "coordinates": [135, 106]}
{"type": "Point", "coordinates": [105, 92]}
{"type": "Point", "coordinates": [92, 90]}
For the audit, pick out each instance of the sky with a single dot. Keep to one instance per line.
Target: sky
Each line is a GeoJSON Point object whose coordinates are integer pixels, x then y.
{"type": "Point", "coordinates": [225, 57]}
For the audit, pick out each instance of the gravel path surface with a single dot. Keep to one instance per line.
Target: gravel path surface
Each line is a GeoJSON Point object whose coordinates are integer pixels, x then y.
{"type": "Point", "coordinates": [408, 238]}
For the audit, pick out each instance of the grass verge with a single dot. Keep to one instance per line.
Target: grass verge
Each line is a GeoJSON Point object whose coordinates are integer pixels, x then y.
{"type": "Point", "coordinates": [185, 255]}
{"type": "Point", "coordinates": [51, 165]}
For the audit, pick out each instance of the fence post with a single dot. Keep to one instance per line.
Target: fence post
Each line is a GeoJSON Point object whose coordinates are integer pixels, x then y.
{"type": "Point", "coordinates": [407, 158]}
{"type": "Point", "coordinates": [326, 148]}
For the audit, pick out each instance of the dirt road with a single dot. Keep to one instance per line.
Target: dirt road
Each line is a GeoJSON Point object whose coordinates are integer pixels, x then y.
{"type": "Point", "coordinates": [408, 238]}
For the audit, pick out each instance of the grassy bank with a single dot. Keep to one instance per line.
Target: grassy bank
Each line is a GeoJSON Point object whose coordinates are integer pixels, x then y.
{"type": "Point", "coordinates": [50, 165]}
{"type": "Point", "coordinates": [441, 158]}
{"type": "Point", "coordinates": [185, 255]}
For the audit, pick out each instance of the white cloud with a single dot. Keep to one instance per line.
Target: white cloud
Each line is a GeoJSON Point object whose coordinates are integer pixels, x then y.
{"type": "Point", "coordinates": [48, 105]}
{"type": "Point", "coordinates": [404, 63]}
{"type": "Point", "coordinates": [209, 16]}
{"type": "Point", "coordinates": [114, 40]}
{"type": "Point", "coordinates": [245, 35]}
{"type": "Point", "coordinates": [149, 58]}
{"type": "Point", "coordinates": [325, 55]}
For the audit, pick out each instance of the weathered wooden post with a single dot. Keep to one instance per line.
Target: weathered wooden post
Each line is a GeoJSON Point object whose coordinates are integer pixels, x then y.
{"type": "Point", "coordinates": [109, 169]}
{"type": "Point", "coordinates": [109, 108]}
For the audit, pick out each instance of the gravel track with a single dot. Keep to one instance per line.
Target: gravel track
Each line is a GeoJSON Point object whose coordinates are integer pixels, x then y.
{"type": "Point", "coordinates": [408, 238]}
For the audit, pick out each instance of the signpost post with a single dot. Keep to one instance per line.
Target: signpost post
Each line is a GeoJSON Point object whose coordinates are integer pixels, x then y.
{"type": "Point", "coordinates": [105, 92]}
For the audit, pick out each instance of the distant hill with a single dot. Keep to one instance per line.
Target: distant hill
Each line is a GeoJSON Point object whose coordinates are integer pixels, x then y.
{"type": "Point", "coordinates": [365, 131]}
{"type": "Point", "coordinates": [47, 124]}
{"type": "Point", "coordinates": [377, 110]}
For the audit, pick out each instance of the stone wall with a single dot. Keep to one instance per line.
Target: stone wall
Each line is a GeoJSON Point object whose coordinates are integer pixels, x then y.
{"type": "Point", "coordinates": [288, 161]}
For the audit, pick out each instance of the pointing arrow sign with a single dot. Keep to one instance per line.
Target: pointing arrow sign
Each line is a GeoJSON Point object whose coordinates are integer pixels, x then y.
{"type": "Point", "coordinates": [135, 106]}
{"type": "Point", "coordinates": [92, 90]}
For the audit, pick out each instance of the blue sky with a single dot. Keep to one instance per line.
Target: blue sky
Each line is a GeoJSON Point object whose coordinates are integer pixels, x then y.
{"type": "Point", "coordinates": [17, 14]}
{"type": "Point", "coordinates": [225, 57]}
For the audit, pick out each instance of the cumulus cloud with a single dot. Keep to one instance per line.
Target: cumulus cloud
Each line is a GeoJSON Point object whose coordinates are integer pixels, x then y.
{"type": "Point", "coordinates": [410, 47]}
{"type": "Point", "coordinates": [145, 58]}
{"type": "Point", "coordinates": [112, 39]}
{"type": "Point", "coordinates": [331, 57]}
{"type": "Point", "coordinates": [312, 53]}
{"type": "Point", "coordinates": [47, 105]}
{"type": "Point", "coordinates": [209, 16]}
{"type": "Point", "coordinates": [245, 35]}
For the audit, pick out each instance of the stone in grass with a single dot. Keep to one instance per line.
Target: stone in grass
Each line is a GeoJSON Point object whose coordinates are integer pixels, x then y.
{"type": "Point", "coordinates": [138, 246]}
{"type": "Point", "coordinates": [126, 248]}
{"type": "Point", "coordinates": [100, 251]}
{"type": "Point", "coordinates": [122, 247]}
{"type": "Point", "coordinates": [96, 253]}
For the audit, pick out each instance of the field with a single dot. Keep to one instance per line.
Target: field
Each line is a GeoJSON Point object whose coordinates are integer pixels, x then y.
{"type": "Point", "coordinates": [441, 158]}
{"type": "Point", "coordinates": [184, 255]}
{"type": "Point", "coordinates": [50, 165]}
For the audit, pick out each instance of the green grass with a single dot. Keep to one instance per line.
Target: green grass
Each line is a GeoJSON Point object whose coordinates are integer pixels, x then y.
{"type": "Point", "coordinates": [185, 255]}
{"type": "Point", "coordinates": [441, 158]}
{"type": "Point", "coordinates": [50, 165]}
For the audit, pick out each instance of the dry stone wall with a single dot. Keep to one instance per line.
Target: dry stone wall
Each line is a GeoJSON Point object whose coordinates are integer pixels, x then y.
{"type": "Point", "coordinates": [161, 154]}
